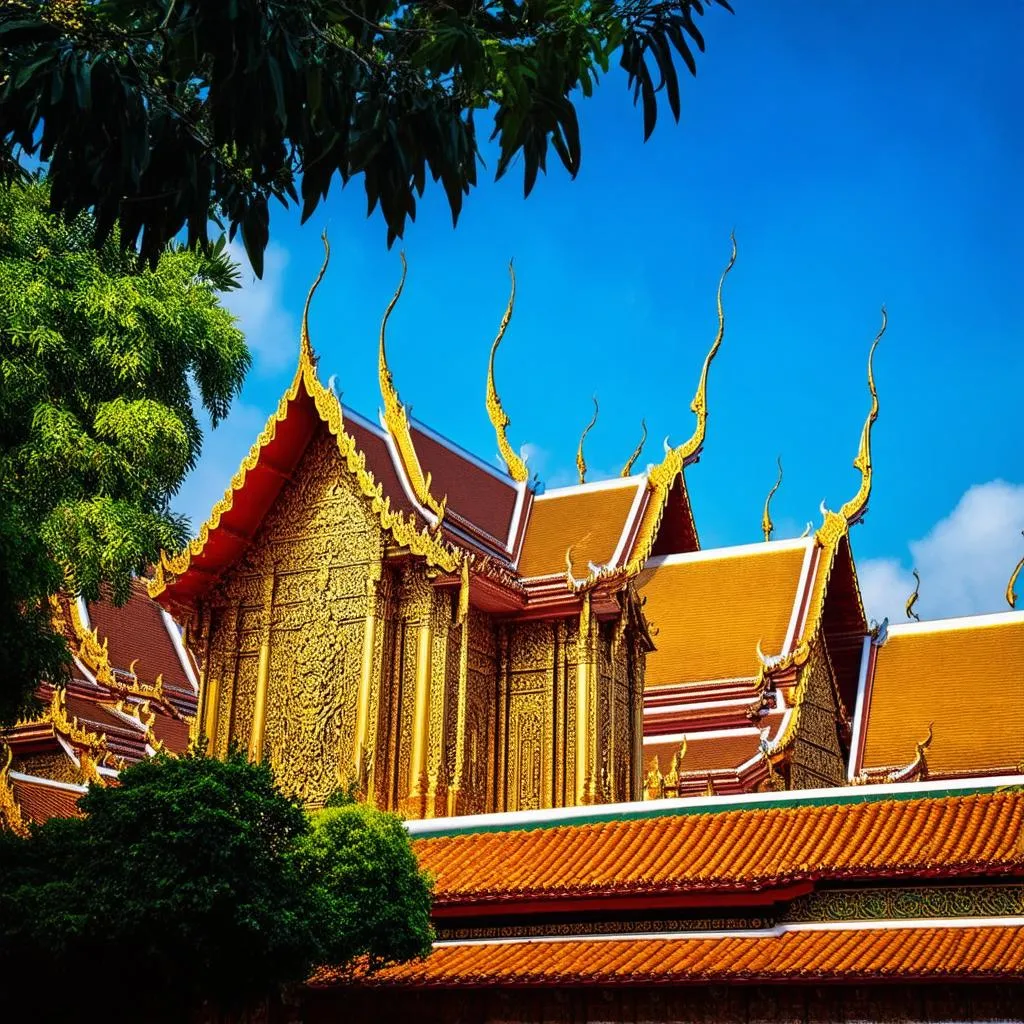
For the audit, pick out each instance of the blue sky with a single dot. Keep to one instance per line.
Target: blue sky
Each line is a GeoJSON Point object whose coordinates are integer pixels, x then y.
{"type": "Point", "coordinates": [864, 153]}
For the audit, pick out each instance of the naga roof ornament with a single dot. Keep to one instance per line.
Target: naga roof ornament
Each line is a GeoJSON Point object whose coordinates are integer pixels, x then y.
{"type": "Point", "coordinates": [912, 600]}
{"type": "Point", "coordinates": [396, 418]}
{"type": "Point", "coordinates": [306, 354]}
{"type": "Point", "coordinates": [495, 410]}
{"type": "Point", "coordinates": [1011, 595]}
{"type": "Point", "coordinates": [854, 510]}
{"type": "Point", "coordinates": [581, 462]}
{"type": "Point", "coordinates": [767, 526]}
{"type": "Point", "coordinates": [627, 469]}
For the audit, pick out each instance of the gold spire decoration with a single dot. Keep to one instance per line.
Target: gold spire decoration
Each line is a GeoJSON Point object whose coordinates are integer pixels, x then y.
{"type": "Point", "coordinates": [581, 463]}
{"type": "Point", "coordinates": [305, 345]}
{"type": "Point", "coordinates": [676, 458]}
{"type": "Point", "coordinates": [495, 410]}
{"type": "Point", "coordinates": [912, 600]}
{"type": "Point", "coordinates": [11, 814]}
{"type": "Point", "coordinates": [767, 526]}
{"type": "Point", "coordinates": [627, 469]}
{"type": "Point", "coordinates": [1011, 596]}
{"type": "Point", "coordinates": [397, 419]}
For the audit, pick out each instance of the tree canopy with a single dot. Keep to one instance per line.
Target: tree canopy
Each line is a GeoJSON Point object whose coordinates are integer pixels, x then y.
{"type": "Point", "coordinates": [104, 365]}
{"type": "Point", "coordinates": [157, 113]}
{"type": "Point", "coordinates": [199, 882]}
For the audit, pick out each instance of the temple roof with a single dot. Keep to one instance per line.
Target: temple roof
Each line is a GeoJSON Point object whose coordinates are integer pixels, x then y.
{"type": "Point", "coordinates": [964, 949]}
{"type": "Point", "coordinates": [962, 680]}
{"type": "Point", "coordinates": [41, 799]}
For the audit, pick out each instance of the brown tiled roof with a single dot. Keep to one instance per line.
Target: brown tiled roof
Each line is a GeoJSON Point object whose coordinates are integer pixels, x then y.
{"type": "Point", "coordinates": [591, 520]}
{"type": "Point", "coordinates": [740, 850]}
{"type": "Point", "coordinates": [968, 681]}
{"type": "Point", "coordinates": [933, 951]}
{"type": "Point", "coordinates": [710, 613]}
{"type": "Point", "coordinates": [40, 801]}
{"type": "Point", "coordinates": [136, 632]}
{"type": "Point", "coordinates": [378, 461]}
{"type": "Point", "coordinates": [173, 733]}
{"type": "Point", "coordinates": [711, 753]}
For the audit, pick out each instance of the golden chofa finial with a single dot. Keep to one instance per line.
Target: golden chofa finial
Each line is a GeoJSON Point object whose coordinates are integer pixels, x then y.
{"type": "Point", "coordinates": [397, 419]}
{"type": "Point", "coordinates": [676, 458]}
{"type": "Point", "coordinates": [1011, 596]}
{"type": "Point", "coordinates": [912, 600]}
{"type": "Point", "coordinates": [495, 410]}
{"type": "Point", "coordinates": [306, 355]}
{"type": "Point", "coordinates": [581, 463]}
{"type": "Point", "coordinates": [855, 509]}
{"type": "Point", "coordinates": [767, 526]}
{"type": "Point", "coordinates": [627, 469]}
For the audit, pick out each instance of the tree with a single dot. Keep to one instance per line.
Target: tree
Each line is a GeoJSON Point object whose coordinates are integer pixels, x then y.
{"type": "Point", "coordinates": [157, 113]}
{"type": "Point", "coordinates": [104, 363]}
{"type": "Point", "coordinates": [199, 882]}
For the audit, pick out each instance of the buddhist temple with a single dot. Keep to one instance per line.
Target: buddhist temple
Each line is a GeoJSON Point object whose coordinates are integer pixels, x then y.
{"type": "Point", "coordinates": [652, 781]}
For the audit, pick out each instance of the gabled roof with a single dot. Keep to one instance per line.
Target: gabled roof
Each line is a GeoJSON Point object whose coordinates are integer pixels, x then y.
{"type": "Point", "coordinates": [41, 799]}
{"type": "Point", "coordinates": [961, 680]}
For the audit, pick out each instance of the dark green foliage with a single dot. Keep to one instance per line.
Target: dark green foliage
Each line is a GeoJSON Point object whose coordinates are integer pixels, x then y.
{"type": "Point", "coordinates": [375, 900]}
{"type": "Point", "coordinates": [197, 881]}
{"type": "Point", "coordinates": [155, 112]}
{"type": "Point", "coordinates": [103, 362]}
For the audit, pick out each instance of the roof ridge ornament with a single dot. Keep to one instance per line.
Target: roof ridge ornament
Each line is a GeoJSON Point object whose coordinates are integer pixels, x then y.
{"type": "Point", "coordinates": [767, 526]}
{"type": "Point", "coordinates": [396, 418]}
{"type": "Point", "coordinates": [1011, 596]}
{"type": "Point", "coordinates": [581, 462]}
{"type": "Point", "coordinates": [912, 600]}
{"type": "Point", "coordinates": [627, 469]}
{"type": "Point", "coordinates": [689, 451]}
{"type": "Point", "coordinates": [516, 464]}
{"type": "Point", "coordinates": [306, 355]}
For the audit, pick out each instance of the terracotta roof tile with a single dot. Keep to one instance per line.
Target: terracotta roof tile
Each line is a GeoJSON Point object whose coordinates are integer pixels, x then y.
{"type": "Point", "coordinates": [711, 613]}
{"type": "Point", "coordinates": [710, 753]}
{"type": "Point", "coordinates": [737, 850]}
{"type": "Point", "coordinates": [968, 681]}
{"type": "Point", "coordinates": [935, 951]}
{"type": "Point", "coordinates": [591, 520]}
{"type": "Point", "coordinates": [40, 801]}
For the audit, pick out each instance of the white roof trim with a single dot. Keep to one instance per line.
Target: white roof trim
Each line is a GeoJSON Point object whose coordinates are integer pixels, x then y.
{"type": "Point", "coordinates": [627, 528]}
{"type": "Point", "coordinates": [707, 705]}
{"type": "Point", "coordinates": [83, 612]}
{"type": "Point", "coordinates": [363, 421]}
{"type": "Point", "coordinates": [403, 479]}
{"type": "Point", "coordinates": [774, 932]}
{"type": "Point", "coordinates": [517, 515]}
{"type": "Point", "coordinates": [859, 713]}
{"type": "Point", "coordinates": [740, 550]}
{"type": "Point", "coordinates": [798, 601]}
{"type": "Point", "coordinates": [610, 812]}
{"type": "Point", "coordinates": [710, 734]}
{"type": "Point", "coordinates": [70, 787]}
{"type": "Point", "coordinates": [179, 648]}
{"type": "Point", "coordinates": [598, 485]}
{"type": "Point", "coordinates": [960, 622]}
{"type": "Point", "coordinates": [816, 556]}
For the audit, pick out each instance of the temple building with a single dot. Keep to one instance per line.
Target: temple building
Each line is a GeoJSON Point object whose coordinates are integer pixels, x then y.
{"type": "Point", "coordinates": [653, 781]}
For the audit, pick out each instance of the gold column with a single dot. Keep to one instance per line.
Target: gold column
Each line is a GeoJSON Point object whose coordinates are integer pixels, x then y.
{"type": "Point", "coordinates": [366, 671]}
{"type": "Point", "coordinates": [421, 721]}
{"type": "Point", "coordinates": [583, 670]}
{"type": "Point", "coordinates": [462, 620]}
{"type": "Point", "coordinates": [259, 714]}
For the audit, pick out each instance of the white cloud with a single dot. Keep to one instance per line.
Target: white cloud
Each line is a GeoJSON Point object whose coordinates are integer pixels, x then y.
{"type": "Point", "coordinates": [259, 306]}
{"type": "Point", "coordinates": [964, 561]}
{"type": "Point", "coordinates": [223, 451]}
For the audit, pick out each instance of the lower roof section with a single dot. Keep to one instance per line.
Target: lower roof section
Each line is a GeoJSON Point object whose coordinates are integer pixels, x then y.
{"type": "Point", "coordinates": [964, 949]}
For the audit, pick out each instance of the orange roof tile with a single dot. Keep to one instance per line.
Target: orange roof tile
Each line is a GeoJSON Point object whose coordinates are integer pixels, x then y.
{"type": "Point", "coordinates": [968, 680]}
{"type": "Point", "coordinates": [592, 520]}
{"type": "Point", "coordinates": [933, 951]}
{"type": "Point", "coordinates": [709, 753]}
{"type": "Point", "coordinates": [736, 850]}
{"type": "Point", "coordinates": [711, 612]}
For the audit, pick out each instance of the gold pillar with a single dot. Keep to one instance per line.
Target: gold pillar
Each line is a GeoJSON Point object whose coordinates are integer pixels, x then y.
{"type": "Point", "coordinates": [462, 620]}
{"type": "Point", "coordinates": [259, 714]}
{"type": "Point", "coordinates": [584, 781]}
{"type": "Point", "coordinates": [366, 672]}
{"type": "Point", "coordinates": [421, 721]}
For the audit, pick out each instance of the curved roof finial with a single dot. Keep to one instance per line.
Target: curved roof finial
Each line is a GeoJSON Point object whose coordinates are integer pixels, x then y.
{"type": "Point", "coordinates": [854, 510]}
{"type": "Point", "coordinates": [397, 419]}
{"type": "Point", "coordinates": [581, 463]}
{"type": "Point", "coordinates": [676, 458]}
{"type": "Point", "coordinates": [1011, 596]}
{"type": "Point", "coordinates": [767, 526]}
{"type": "Point", "coordinates": [912, 600]}
{"type": "Point", "coordinates": [306, 354]}
{"type": "Point", "coordinates": [495, 411]}
{"type": "Point", "coordinates": [627, 469]}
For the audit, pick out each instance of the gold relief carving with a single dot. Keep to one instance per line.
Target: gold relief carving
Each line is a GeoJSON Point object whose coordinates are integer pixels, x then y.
{"type": "Point", "coordinates": [243, 699]}
{"type": "Point", "coordinates": [11, 816]}
{"type": "Point", "coordinates": [921, 902]}
{"type": "Point", "coordinates": [526, 717]}
{"type": "Point", "coordinates": [58, 767]}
